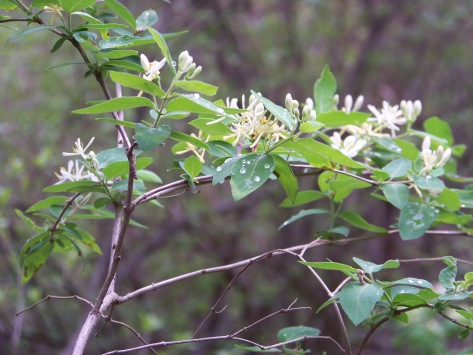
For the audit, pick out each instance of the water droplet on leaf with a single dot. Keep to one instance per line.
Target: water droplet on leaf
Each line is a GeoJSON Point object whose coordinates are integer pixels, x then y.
{"type": "Point", "coordinates": [257, 178]}
{"type": "Point", "coordinates": [219, 168]}
{"type": "Point", "coordinates": [196, 96]}
{"type": "Point", "coordinates": [242, 171]}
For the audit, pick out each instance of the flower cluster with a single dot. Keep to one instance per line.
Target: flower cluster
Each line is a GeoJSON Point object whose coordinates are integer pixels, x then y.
{"type": "Point", "coordinates": [75, 169]}
{"type": "Point", "coordinates": [388, 116]}
{"type": "Point", "coordinates": [74, 172]}
{"type": "Point", "coordinates": [433, 159]}
{"type": "Point", "coordinates": [350, 146]}
{"type": "Point", "coordinates": [254, 125]}
{"type": "Point", "coordinates": [186, 65]}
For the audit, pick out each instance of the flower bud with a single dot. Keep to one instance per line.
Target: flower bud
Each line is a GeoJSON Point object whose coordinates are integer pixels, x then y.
{"type": "Point", "coordinates": [195, 73]}
{"type": "Point", "coordinates": [185, 61]}
{"type": "Point", "coordinates": [426, 143]}
{"type": "Point", "coordinates": [288, 102]}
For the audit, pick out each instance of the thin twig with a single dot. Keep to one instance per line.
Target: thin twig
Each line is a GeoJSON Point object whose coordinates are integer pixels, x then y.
{"type": "Point", "coordinates": [66, 206]}
{"type": "Point", "coordinates": [233, 336]}
{"type": "Point", "coordinates": [52, 297]}
{"type": "Point", "coordinates": [134, 332]}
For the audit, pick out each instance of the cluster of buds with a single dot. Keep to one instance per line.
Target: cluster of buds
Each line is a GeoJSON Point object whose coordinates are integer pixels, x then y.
{"type": "Point", "coordinates": [186, 65]}
{"type": "Point", "coordinates": [349, 106]}
{"type": "Point", "coordinates": [308, 112]}
{"type": "Point", "coordinates": [433, 159]}
{"type": "Point", "coordinates": [411, 110]}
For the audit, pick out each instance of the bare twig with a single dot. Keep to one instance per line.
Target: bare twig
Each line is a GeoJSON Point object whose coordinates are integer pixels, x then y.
{"type": "Point", "coordinates": [66, 206]}
{"type": "Point", "coordinates": [233, 336]}
{"type": "Point", "coordinates": [133, 331]}
{"type": "Point", "coordinates": [52, 297]}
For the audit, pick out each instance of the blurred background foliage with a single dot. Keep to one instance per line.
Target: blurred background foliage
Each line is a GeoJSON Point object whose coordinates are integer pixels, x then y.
{"type": "Point", "coordinates": [385, 50]}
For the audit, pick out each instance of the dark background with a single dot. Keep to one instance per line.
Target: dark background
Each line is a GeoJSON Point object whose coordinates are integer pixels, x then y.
{"type": "Point", "coordinates": [385, 50]}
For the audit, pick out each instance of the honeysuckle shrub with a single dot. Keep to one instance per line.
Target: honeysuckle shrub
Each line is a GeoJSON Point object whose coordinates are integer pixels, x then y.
{"type": "Point", "coordinates": [245, 142]}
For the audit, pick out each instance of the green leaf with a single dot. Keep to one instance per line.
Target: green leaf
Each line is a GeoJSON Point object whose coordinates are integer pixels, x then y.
{"type": "Point", "coordinates": [359, 300]}
{"type": "Point", "coordinates": [122, 12]}
{"type": "Point", "coordinates": [398, 168]}
{"type": "Point", "coordinates": [116, 122]}
{"type": "Point", "coordinates": [47, 202]}
{"type": "Point", "coordinates": [189, 139]}
{"type": "Point", "coordinates": [146, 19]}
{"type": "Point", "coordinates": [340, 230]}
{"type": "Point", "coordinates": [117, 42]}
{"type": "Point", "coordinates": [34, 254]}
{"type": "Point", "coordinates": [196, 103]}
{"type": "Point", "coordinates": [112, 155]}
{"type": "Point", "coordinates": [249, 173]}
{"type": "Point", "coordinates": [370, 267]}
{"type": "Point", "coordinates": [68, 186]}
{"type": "Point", "coordinates": [282, 114]}
{"type": "Point", "coordinates": [408, 150]}
{"type": "Point", "coordinates": [148, 137]}
{"type": "Point", "coordinates": [338, 119]}
{"type": "Point", "coordinates": [447, 277]}
{"type": "Point", "coordinates": [439, 128]}
{"type": "Point", "coordinates": [114, 170]}
{"type": "Point", "coordinates": [224, 170]}
{"type": "Point", "coordinates": [192, 166]}
{"type": "Point", "coordinates": [120, 64]}
{"type": "Point", "coordinates": [88, 240]}
{"type": "Point", "coordinates": [31, 30]}
{"type": "Point", "coordinates": [161, 42]}
{"type": "Point", "coordinates": [330, 265]}
{"type": "Point", "coordinates": [429, 183]}
{"type": "Point", "coordinates": [292, 333]}
{"type": "Point", "coordinates": [286, 177]}
{"type": "Point", "coordinates": [396, 194]}
{"type": "Point", "coordinates": [197, 86]}
{"type": "Point", "coordinates": [415, 220]}
{"type": "Point", "coordinates": [380, 175]}
{"type": "Point", "coordinates": [302, 214]}
{"type": "Point", "coordinates": [357, 221]}
{"type": "Point", "coordinates": [310, 126]}
{"type": "Point", "coordinates": [411, 281]}
{"type": "Point", "coordinates": [222, 149]}
{"type": "Point", "coordinates": [449, 199]}
{"type": "Point", "coordinates": [464, 334]}
{"type": "Point", "coordinates": [303, 197]}
{"type": "Point", "coordinates": [118, 104]}
{"type": "Point", "coordinates": [214, 129]}
{"type": "Point", "coordinates": [137, 83]}
{"type": "Point", "coordinates": [344, 186]}
{"type": "Point", "coordinates": [28, 221]}
{"type": "Point", "coordinates": [149, 176]}
{"type": "Point", "coordinates": [7, 5]}
{"type": "Point", "coordinates": [76, 5]}
{"type": "Point", "coordinates": [115, 54]}
{"type": "Point", "coordinates": [324, 90]}
{"type": "Point", "coordinates": [58, 44]}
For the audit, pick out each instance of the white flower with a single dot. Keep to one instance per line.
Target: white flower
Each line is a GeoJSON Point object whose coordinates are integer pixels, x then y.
{"type": "Point", "coordinates": [349, 107]}
{"type": "Point", "coordinates": [309, 102]}
{"type": "Point", "coordinates": [350, 146]}
{"type": "Point", "coordinates": [254, 124]}
{"type": "Point", "coordinates": [151, 69]}
{"type": "Point", "coordinates": [74, 172]}
{"type": "Point", "coordinates": [79, 149]}
{"type": "Point", "coordinates": [433, 159]}
{"type": "Point", "coordinates": [411, 110]}
{"type": "Point", "coordinates": [367, 130]}
{"type": "Point", "coordinates": [388, 117]}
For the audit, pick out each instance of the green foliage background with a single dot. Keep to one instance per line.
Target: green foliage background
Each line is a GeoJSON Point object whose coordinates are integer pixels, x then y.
{"type": "Point", "coordinates": [389, 50]}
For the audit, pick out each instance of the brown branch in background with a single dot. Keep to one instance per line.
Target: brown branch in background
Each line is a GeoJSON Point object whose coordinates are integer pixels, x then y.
{"type": "Point", "coordinates": [66, 206]}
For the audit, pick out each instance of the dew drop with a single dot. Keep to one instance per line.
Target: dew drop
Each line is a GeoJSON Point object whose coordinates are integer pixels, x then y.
{"type": "Point", "coordinates": [219, 168]}
{"type": "Point", "coordinates": [220, 110]}
{"type": "Point", "coordinates": [257, 178]}
{"type": "Point", "coordinates": [419, 282]}
{"type": "Point", "coordinates": [196, 96]}
{"type": "Point", "coordinates": [463, 205]}
{"type": "Point", "coordinates": [411, 281]}
{"type": "Point", "coordinates": [428, 177]}
{"type": "Point", "coordinates": [242, 170]}
{"type": "Point", "coordinates": [173, 63]}
{"type": "Point", "coordinates": [267, 166]}
{"type": "Point", "coordinates": [243, 161]}
{"type": "Point", "coordinates": [402, 291]}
